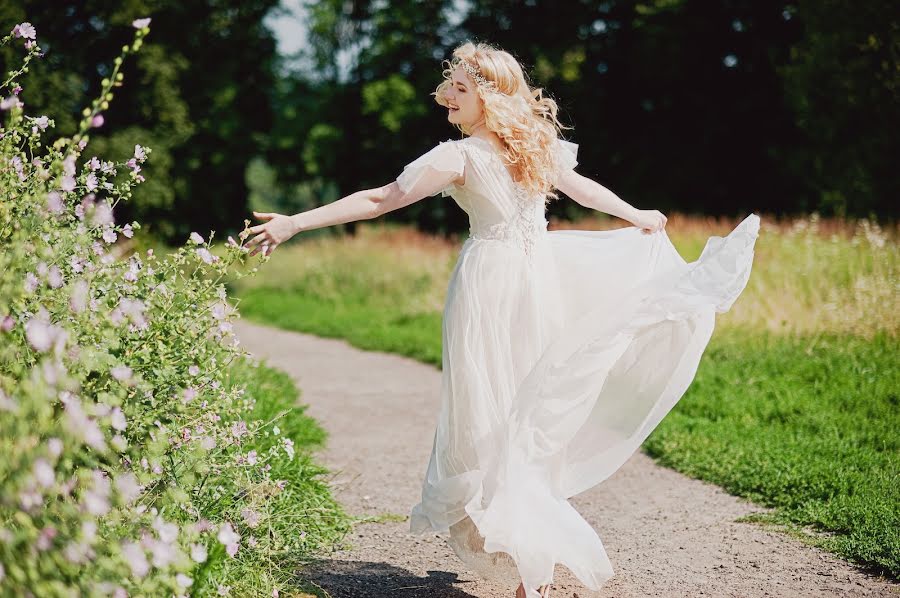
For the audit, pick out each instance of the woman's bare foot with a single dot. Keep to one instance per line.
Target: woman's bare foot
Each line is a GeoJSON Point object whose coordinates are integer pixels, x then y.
{"type": "Point", "coordinates": [544, 591]}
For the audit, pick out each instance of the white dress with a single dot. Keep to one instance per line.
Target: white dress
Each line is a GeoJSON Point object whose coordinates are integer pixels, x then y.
{"type": "Point", "coordinates": [562, 351]}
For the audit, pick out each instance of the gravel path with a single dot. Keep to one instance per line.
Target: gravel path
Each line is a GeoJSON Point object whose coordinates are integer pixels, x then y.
{"type": "Point", "coordinates": [666, 534]}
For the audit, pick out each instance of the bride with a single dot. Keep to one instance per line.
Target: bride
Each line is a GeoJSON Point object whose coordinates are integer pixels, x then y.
{"type": "Point", "coordinates": [562, 350]}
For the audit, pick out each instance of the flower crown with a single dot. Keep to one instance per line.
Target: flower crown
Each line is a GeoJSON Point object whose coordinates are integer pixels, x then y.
{"type": "Point", "coordinates": [475, 73]}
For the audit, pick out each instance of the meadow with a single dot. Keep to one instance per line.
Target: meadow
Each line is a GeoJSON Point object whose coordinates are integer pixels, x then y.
{"type": "Point", "coordinates": [795, 403]}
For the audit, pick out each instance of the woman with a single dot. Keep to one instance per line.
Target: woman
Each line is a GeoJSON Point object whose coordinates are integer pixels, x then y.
{"type": "Point", "coordinates": [562, 350]}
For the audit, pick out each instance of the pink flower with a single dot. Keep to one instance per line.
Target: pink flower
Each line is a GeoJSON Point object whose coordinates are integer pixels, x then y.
{"type": "Point", "coordinates": [10, 102]}
{"type": "Point", "coordinates": [141, 23]}
{"type": "Point", "coordinates": [68, 183]}
{"type": "Point", "coordinates": [238, 429]}
{"type": "Point", "coordinates": [40, 334]}
{"type": "Point", "coordinates": [109, 235]}
{"type": "Point", "coordinates": [97, 121]}
{"type": "Point", "coordinates": [43, 473]}
{"type": "Point", "coordinates": [198, 553]}
{"type": "Point", "coordinates": [197, 239]}
{"type": "Point", "coordinates": [229, 538]}
{"type": "Point", "coordinates": [90, 182]}
{"type": "Point", "coordinates": [117, 418]}
{"type": "Point", "coordinates": [136, 558]}
{"type": "Point", "coordinates": [193, 370]}
{"type": "Point", "coordinates": [55, 277]}
{"type": "Point", "coordinates": [127, 231]}
{"type": "Point", "coordinates": [206, 256]}
{"type": "Point", "coordinates": [93, 163]}
{"type": "Point", "coordinates": [7, 323]}
{"type": "Point", "coordinates": [45, 539]}
{"type": "Point", "coordinates": [251, 517]}
{"type": "Point", "coordinates": [40, 123]}
{"type": "Point", "coordinates": [188, 395]}
{"type": "Point", "coordinates": [54, 202]}
{"type": "Point", "coordinates": [128, 486]}
{"type": "Point", "coordinates": [25, 30]}
{"type": "Point", "coordinates": [139, 153]}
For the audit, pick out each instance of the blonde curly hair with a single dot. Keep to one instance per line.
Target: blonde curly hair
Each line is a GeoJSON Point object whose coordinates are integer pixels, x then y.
{"type": "Point", "coordinates": [520, 115]}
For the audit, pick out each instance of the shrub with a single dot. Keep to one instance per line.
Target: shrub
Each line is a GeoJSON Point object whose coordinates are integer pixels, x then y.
{"type": "Point", "coordinates": [127, 463]}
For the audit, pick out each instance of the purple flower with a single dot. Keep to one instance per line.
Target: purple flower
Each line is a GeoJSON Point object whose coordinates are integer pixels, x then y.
{"type": "Point", "coordinates": [17, 89]}
{"type": "Point", "coordinates": [196, 238]}
{"type": "Point", "coordinates": [68, 183]}
{"type": "Point", "coordinates": [25, 30]}
{"type": "Point", "coordinates": [90, 182]}
{"type": "Point", "coordinates": [127, 231]}
{"type": "Point", "coordinates": [193, 370]}
{"type": "Point", "coordinates": [97, 121]}
{"type": "Point", "coordinates": [139, 153]}
{"type": "Point", "coordinates": [93, 163]}
{"type": "Point", "coordinates": [141, 23]}
{"type": "Point", "coordinates": [109, 235]}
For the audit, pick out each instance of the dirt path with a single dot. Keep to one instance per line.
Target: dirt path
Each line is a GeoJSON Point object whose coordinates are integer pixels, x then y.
{"type": "Point", "coordinates": [666, 534]}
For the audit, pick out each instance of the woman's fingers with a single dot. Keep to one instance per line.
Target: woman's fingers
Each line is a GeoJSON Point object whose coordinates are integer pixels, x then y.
{"type": "Point", "coordinates": [261, 237]}
{"type": "Point", "coordinates": [264, 215]}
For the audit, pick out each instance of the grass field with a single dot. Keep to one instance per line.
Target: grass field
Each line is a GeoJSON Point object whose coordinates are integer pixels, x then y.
{"type": "Point", "coordinates": [795, 404]}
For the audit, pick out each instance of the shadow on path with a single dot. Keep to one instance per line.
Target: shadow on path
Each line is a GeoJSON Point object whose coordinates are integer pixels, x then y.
{"type": "Point", "coordinates": [358, 579]}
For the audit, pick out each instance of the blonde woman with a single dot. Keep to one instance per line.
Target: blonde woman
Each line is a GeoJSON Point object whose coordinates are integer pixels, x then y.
{"type": "Point", "coordinates": [562, 350]}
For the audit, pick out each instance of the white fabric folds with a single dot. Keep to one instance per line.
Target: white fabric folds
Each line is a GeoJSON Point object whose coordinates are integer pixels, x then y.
{"type": "Point", "coordinates": [562, 351]}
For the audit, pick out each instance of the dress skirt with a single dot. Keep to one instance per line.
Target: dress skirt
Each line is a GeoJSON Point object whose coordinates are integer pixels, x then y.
{"type": "Point", "coordinates": [558, 362]}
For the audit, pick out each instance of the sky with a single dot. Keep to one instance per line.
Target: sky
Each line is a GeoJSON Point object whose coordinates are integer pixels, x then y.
{"type": "Point", "coordinates": [288, 25]}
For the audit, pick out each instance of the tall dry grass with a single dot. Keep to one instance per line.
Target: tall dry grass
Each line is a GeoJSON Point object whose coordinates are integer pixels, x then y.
{"type": "Point", "coordinates": [809, 274]}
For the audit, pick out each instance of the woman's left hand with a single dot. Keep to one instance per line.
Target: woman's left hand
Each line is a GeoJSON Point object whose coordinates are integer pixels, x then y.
{"type": "Point", "coordinates": [278, 229]}
{"type": "Point", "coordinates": [649, 221]}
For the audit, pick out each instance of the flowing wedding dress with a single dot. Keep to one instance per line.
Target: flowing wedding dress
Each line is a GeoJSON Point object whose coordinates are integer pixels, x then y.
{"type": "Point", "coordinates": [562, 351]}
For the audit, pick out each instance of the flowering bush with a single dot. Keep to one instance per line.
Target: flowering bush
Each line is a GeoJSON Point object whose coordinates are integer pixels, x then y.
{"type": "Point", "coordinates": [131, 459]}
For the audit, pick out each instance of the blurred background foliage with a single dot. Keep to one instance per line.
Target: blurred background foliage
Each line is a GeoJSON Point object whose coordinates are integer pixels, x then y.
{"type": "Point", "coordinates": [717, 108]}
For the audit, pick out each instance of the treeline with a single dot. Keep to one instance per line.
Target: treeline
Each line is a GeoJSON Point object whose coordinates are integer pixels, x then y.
{"type": "Point", "coordinates": [718, 108]}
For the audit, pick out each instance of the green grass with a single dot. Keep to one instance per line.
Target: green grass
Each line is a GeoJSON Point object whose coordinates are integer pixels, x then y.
{"type": "Point", "coordinates": [807, 425]}
{"type": "Point", "coordinates": [370, 327]}
{"type": "Point", "coordinates": [306, 504]}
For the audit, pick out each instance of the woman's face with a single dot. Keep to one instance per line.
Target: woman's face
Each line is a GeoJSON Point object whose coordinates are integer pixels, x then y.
{"type": "Point", "coordinates": [465, 106]}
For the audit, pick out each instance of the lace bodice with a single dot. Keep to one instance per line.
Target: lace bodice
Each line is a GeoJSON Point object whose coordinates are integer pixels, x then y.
{"type": "Point", "coordinates": [499, 209]}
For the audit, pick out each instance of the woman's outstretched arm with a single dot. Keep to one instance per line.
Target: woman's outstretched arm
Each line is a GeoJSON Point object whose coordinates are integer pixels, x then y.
{"type": "Point", "coordinates": [592, 194]}
{"type": "Point", "coordinates": [412, 186]}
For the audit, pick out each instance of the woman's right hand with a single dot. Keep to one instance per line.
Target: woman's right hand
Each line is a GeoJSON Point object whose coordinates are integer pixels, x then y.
{"type": "Point", "coordinates": [649, 221]}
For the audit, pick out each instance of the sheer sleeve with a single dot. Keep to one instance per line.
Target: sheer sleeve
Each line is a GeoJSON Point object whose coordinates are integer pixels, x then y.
{"type": "Point", "coordinates": [566, 156]}
{"type": "Point", "coordinates": [434, 171]}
